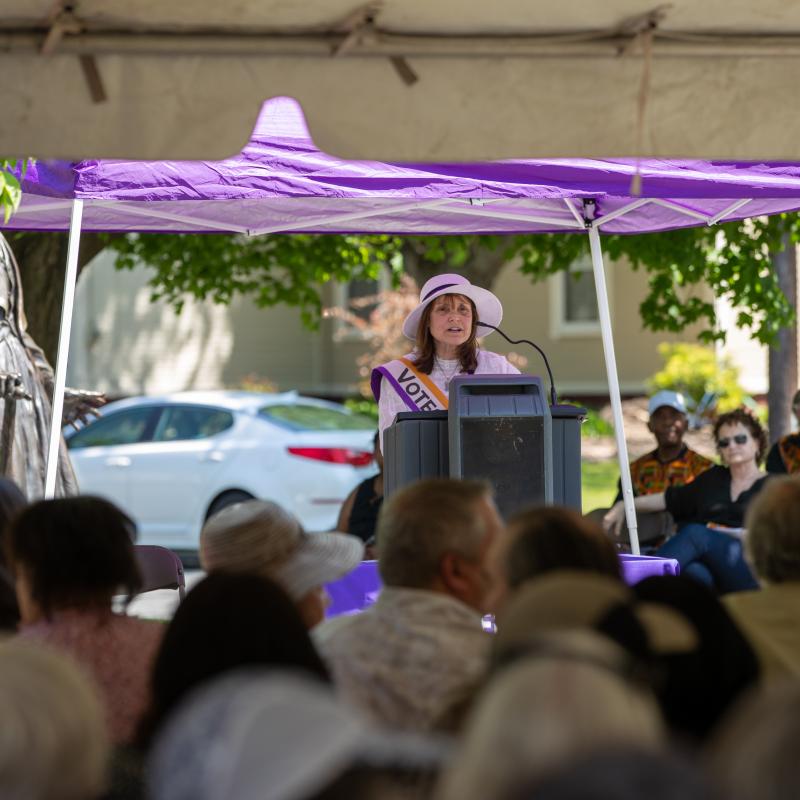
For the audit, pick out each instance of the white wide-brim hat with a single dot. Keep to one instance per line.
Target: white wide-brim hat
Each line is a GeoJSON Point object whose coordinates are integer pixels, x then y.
{"type": "Point", "coordinates": [269, 734]}
{"type": "Point", "coordinates": [261, 537]}
{"type": "Point", "coordinates": [488, 307]}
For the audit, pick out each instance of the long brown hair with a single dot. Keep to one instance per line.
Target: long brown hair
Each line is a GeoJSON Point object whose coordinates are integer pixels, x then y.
{"type": "Point", "coordinates": [425, 346]}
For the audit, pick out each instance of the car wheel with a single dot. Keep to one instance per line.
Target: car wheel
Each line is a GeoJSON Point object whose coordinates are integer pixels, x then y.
{"type": "Point", "coordinates": [228, 499]}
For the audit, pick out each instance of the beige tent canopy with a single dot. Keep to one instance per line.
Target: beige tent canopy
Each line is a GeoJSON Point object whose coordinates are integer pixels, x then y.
{"type": "Point", "coordinates": [403, 79]}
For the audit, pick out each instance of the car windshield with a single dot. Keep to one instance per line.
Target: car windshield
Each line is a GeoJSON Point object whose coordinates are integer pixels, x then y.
{"type": "Point", "coordinates": [303, 417]}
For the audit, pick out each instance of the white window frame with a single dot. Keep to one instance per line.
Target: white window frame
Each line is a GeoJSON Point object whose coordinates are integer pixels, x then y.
{"type": "Point", "coordinates": [560, 326]}
{"type": "Point", "coordinates": [342, 331]}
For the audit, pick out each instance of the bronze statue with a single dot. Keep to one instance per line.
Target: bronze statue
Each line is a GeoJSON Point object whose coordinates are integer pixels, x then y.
{"type": "Point", "coordinates": [26, 391]}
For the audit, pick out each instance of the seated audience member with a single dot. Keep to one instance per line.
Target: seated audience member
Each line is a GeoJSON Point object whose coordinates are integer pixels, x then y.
{"type": "Point", "coordinates": [547, 538]}
{"type": "Point", "coordinates": [421, 648]}
{"type": "Point", "coordinates": [260, 537]}
{"type": "Point", "coordinates": [708, 545]}
{"type": "Point", "coordinates": [359, 514]}
{"type": "Point", "coordinates": [672, 463]}
{"type": "Point", "coordinates": [227, 621]}
{"type": "Point", "coordinates": [54, 744]}
{"type": "Point", "coordinates": [754, 755]}
{"type": "Point", "coordinates": [770, 618]}
{"type": "Point", "coordinates": [699, 687]}
{"type": "Point", "coordinates": [566, 600]}
{"type": "Point", "coordinates": [571, 696]}
{"type": "Point", "coordinates": [784, 455]}
{"type": "Point", "coordinates": [622, 773]}
{"type": "Point", "coordinates": [12, 501]}
{"type": "Point", "coordinates": [69, 557]}
{"type": "Point", "coordinates": [277, 735]}
{"type": "Point", "coordinates": [562, 602]}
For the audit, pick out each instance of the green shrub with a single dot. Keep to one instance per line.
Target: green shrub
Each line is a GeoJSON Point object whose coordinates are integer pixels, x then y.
{"type": "Point", "coordinates": [367, 408]}
{"type": "Point", "coordinates": [694, 370]}
{"type": "Point", "coordinates": [594, 426]}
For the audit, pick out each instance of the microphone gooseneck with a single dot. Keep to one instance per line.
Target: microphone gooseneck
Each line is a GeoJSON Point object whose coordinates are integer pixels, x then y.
{"type": "Point", "coordinates": [553, 397]}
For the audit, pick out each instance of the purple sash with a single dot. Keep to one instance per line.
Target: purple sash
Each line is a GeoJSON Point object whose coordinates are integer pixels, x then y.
{"type": "Point", "coordinates": [416, 390]}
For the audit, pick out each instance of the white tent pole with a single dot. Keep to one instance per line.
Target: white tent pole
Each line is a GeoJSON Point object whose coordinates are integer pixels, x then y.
{"type": "Point", "coordinates": [613, 385]}
{"type": "Point", "coordinates": [63, 348]}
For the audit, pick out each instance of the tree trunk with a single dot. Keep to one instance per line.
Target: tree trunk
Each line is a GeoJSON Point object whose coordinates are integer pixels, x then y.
{"type": "Point", "coordinates": [42, 259]}
{"type": "Point", "coordinates": [481, 267]}
{"type": "Point", "coordinates": [783, 354]}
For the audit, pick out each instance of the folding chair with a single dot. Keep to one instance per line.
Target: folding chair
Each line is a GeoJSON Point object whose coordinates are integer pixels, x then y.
{"type": "Point", "coordinates": [160, 568]}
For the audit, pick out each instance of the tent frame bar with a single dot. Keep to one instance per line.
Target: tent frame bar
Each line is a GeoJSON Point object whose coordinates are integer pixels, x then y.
{"type": "Point", "coordinates": [70, 280]}
{"type": "Point", "coordinates": [353, 215]}
{"type": "Point", "coordinates": [489, 208]}
{"type": "Point", "coordinates": [511, 216]}
{"type": "Point", "coordinates": [729, 210]}
{"type": "Point", "coordinates": [158, 214]}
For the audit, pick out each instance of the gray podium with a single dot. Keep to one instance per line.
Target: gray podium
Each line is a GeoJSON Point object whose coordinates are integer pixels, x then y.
{"type": "Point", "coordinates": [498, 428]}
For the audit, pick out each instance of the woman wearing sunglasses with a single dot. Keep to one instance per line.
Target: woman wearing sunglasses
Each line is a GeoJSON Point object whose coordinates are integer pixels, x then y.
{"type": "Point", "coordinates": [710, 510]}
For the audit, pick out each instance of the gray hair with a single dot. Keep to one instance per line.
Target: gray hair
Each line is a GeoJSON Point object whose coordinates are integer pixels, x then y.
{"type": "Point", "coordinates": [754, 754]}
{"type": "Point", "coordinates": [773, 530]}
{"type": "Point", "coordinates": [56, 747]}
{"type": "Point", "coordinates": [540, 713]}
{"type": "Point", "coordinates": [425, 521]}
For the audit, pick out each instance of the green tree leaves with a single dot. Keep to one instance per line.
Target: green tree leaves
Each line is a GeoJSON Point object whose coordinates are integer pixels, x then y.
{"type": "Point", "coordinates": [10, 190]}
{"type": "Point", "coordinates": [730, 260]}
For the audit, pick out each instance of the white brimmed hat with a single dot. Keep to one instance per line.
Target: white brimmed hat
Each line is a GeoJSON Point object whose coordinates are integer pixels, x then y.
{"type": "Point", "coordinates": [273, 735]}
{"type": "Point", "coordinates": [258, 536]}
{"type": "Point", "coordinates": [666, 398]}
{"type": "Point", "coordinates": [488, 307]}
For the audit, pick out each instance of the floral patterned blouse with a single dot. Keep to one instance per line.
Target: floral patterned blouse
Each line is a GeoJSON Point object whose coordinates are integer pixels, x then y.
{"type": "Point", "coordinates": [116, 650]}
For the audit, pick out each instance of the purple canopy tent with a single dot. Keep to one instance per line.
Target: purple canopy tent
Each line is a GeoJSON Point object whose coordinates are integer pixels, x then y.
{"type": "Point", "coordinates": [282, 183]}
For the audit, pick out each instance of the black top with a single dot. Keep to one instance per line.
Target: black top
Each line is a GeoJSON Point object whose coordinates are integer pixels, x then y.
{"type": "Point", "coordinates": [708, 499]}
{"type": "Point", "coordinates": [366, 505]}
{"type": "Point", "coordinates": [774, 461]}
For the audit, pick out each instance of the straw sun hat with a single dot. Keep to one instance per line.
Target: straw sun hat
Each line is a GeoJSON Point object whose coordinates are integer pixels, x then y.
{"type": "Point", "coordinates": [487, 305]}
{"type": "Point", "coordinates": [258, 536]}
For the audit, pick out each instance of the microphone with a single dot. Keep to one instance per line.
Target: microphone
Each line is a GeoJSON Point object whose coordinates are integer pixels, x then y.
{"type": "Point", "coordinates": [553, 398]}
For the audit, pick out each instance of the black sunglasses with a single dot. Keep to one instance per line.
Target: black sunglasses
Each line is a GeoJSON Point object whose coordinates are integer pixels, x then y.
{"type": "Point", "coordinates": [740, 438]}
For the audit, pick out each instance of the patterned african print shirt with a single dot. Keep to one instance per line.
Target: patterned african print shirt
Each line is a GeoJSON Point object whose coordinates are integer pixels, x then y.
{"type": "Point", "coordinates": [784, 455]}
{"type": "Point", "coordinates": [649, 475]}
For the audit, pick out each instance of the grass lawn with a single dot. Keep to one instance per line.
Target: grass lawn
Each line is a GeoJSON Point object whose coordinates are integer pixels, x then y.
{"type": "Point", "coordinates": [599, 483]}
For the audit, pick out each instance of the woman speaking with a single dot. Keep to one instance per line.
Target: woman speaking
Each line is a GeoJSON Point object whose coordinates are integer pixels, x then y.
{"type": "Point", "coordinates": [443, 328]}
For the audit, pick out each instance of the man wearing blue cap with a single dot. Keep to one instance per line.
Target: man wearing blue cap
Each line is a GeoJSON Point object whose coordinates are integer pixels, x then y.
{"type": "Point", "coordinates": [672, 463]}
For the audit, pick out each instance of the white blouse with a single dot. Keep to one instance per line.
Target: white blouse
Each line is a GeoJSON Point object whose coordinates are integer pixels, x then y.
{"type": "Point", "coordinates": [443, 371]}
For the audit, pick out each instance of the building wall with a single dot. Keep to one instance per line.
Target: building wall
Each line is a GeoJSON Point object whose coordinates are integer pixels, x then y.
{"type": "Point", "coordinates": [123, 343]}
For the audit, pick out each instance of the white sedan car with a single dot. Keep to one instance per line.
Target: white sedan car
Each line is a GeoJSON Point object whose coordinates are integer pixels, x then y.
{"type": "Point", "coordinates": [172, 461]}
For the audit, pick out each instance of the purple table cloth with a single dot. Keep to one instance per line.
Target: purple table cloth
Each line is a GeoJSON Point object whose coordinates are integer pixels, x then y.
{"type": "Point", "coordinates": [361, 587]}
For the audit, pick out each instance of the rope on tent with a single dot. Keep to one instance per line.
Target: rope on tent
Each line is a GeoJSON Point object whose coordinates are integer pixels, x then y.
{"type": "Point", "coordinates": [643, 28]}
